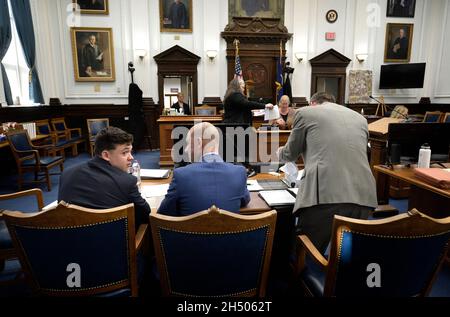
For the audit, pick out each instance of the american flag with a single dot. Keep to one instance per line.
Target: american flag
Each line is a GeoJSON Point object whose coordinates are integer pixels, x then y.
{"type": "Point", "coordinates": [237, 68]}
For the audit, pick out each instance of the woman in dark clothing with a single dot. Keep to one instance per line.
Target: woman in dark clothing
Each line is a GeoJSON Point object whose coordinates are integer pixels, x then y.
{"type": "Point", "coordinates": [238, 109]}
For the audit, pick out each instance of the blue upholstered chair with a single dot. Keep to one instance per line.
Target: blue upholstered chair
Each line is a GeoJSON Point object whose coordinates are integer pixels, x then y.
{"type": "Point", "coordinates": [213, 253]}
{"type": "Point", "coordinates": [432, 117]}
{"type": "Point", "coordinates": [69, 244]}
{"type": "Point", "coordinates": [28, 158]}
{"type": "Point", "coordinates": [404, 253]}
{"type": "Point", "coordinates": [205, 110]}
{"type": "Point", "coordinates": [7, 251]}
{"type": "Point", "coordinates": [57, 140]}
{"type": "Point", "coordinates": [446, 118]}
{"type": "Point", "coordinates": [94, 127]}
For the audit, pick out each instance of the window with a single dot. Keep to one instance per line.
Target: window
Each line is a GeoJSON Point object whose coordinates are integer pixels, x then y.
{"type": "Point", "coordinates": [16, 67]}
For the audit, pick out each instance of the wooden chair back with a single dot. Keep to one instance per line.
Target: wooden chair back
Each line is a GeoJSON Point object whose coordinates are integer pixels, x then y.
{"type": "Point", "coordinates": [432, 117]}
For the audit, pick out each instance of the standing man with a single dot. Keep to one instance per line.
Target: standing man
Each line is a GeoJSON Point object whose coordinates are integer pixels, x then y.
{"type": "Point", "coordinates": [338, 181]}
{"type": "Point", "coordinates": [181, 105]}
{"type": "Point", "coordinates": [104, 181]}
{"type": "Point", "coordinates": [178, 15]}
{"type": "Point", "coordinates": [91, 57]}
{"type": "Point", "coordinates": [208, 181]}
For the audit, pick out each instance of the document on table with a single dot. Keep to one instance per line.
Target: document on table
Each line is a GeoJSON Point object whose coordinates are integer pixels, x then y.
{"type": "Point", "coordinates": [154, 190]}
{"type": "Point", "coordinates": [277, 197]}
{"type": "Point", "coordinates": [154, 173]}
{"type": "Point", "coordinates": [253, 185]}
{"type": "Point", "coordinates": [272, 114]}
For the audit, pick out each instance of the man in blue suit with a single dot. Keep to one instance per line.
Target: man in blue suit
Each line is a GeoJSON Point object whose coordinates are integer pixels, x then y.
{"type": "Point", "coordinates": [208, 181]}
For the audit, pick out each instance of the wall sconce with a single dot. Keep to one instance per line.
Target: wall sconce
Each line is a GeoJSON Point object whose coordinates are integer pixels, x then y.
{"type": "Point", "coordinates": [141, 53]}
{"type": "Point", "coordinates": [361, 57]}
{"type": "Point", "coordinates": [299, 56]}
{"type": "Point", "coordinates": [211, 55]}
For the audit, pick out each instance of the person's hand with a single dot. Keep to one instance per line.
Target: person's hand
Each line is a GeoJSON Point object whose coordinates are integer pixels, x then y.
{"type": "Point", "coordinates": [269, 106]}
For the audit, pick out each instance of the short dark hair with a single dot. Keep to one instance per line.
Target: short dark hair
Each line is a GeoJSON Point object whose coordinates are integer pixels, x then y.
{"type": "Point", "coordinates": [321, 97]}
{"type": "Point", "coordinates": [108, 138]}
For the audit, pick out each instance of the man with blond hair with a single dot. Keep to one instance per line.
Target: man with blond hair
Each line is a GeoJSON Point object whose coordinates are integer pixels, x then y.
{"type": "Point", "coordinates": [208, 181]}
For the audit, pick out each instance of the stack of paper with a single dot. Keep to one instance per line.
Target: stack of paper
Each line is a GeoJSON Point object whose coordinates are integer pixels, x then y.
{"type": "Point", "coordinates": [154, 173]}
{"type": "Point", "coordinates": [154, 190]}
{"type": "Point", "coordinates": [272, 114]}
{"type": "Point", "coordinates": [253, 185]}
{"type": "Point", "coordinates": [277, 197]}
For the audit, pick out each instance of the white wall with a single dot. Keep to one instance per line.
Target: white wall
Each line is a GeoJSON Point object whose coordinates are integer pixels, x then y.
{"type": "Point", "coordinates": [135, 25]}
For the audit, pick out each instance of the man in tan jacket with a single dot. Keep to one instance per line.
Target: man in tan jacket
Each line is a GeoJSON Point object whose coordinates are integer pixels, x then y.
{"type": "Point", "coordinates": [333, 142]}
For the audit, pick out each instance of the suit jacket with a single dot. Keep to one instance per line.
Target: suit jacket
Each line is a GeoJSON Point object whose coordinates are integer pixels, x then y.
{"type": "Point", "coordinates": [198, 186]}
{"type": "Point", "coordinates": [238, 109]}
{"type": "Point", "coordinates": [333, 142]}
{"type": "Point", "coordinates": [98, 185]}
{"type": "Point", "coordinates": [186, 109]}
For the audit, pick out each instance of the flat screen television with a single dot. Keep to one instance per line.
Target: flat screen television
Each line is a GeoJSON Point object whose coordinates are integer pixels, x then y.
{"type": "Point", "coordinates": [401, 76]}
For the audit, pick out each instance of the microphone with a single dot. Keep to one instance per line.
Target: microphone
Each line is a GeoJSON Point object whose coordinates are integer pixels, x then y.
{"type": "Point", "coordinates": [390, 108]}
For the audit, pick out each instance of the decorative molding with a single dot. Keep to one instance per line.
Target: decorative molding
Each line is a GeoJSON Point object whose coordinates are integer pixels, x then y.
{"type": "Point", "coordinates": [439, 69]}
{"type": "Point", "coordinates": [256, 30]}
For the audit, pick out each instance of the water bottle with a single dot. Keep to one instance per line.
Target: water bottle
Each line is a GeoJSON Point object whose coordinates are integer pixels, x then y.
{"type": "Point", "coordinates": [136, 172]}
{"type": "Point", "coordinates": [181, 111]}
{"type": "Point", "coordinates": [362, 111]}
{"type": "Point", "coordinates": [424, 156]}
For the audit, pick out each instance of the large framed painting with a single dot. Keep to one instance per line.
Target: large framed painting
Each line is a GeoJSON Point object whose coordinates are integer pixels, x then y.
{"type": "Point", "coordinates": [398, 42]}
{"type": "Point", "coordinates": [93, 54]}
{"type": "Point", "coordinates": [175, 15]}
{"type": "Point", "coordinates": [93, 6]}
{"type": "Point", "coordinates": [401, 8]}
{"type": "Point", "coordinates": [256, 8]}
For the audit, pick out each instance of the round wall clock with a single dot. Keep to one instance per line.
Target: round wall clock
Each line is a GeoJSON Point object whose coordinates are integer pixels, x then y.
{"type": "Point", "coordinates": [332, 16]}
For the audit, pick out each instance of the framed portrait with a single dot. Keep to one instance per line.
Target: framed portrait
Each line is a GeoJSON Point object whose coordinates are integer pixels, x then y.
{"type": "Point", "coordinates": [401, 8]}
{"type": "Point", "coordinates": [398, 42]}
{"type": "Point", "coordinates": [256, 8]}
{"type": "Point", "coordinates": [93, 54]}
{"type": "Point", "coordinates": [175, 15]}
{"type": "Point", "coordinates": [93, 6]}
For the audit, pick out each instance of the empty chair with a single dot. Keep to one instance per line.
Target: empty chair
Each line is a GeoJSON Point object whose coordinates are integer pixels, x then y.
{"type": "Point", "coordinates": [57, 139]}
{"type": "Point", "coordinates": [94, 127]}
{"type": "Point", "coordinates": [213, 253]}
{"type": "Point", "coordinates": [432, 117]}
{"type": "Point", "coordinates": [76, 251]}
{"type": "Point", "coordinates": [6, 247]}
{"type": "Point", "coordinates": [28, 158]}
{"type": "Point", "coordinates": [73, 135]}
{"type": "Point", "coordinates": [398, 256]}
{"type": "Point", "coordinates": [205, 110]}
{"type": "Point", "coordinates": [446, 118]}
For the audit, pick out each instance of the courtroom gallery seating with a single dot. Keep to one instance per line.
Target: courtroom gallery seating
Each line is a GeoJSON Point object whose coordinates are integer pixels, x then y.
{"type": "Point", "coordinates": [28, 159]}
{"type": "Point", "coordinates": [75, 251]}
{"type": "Point", "coordinates": [213, 253]}
{"type": "Point", "coordinates": [396, 257]}
{"type": "Point", "coordinates": [94, 127]}
{"type": "Point", "coordinates": [73, 135]}
{"type": "Point", "coordinates": [432, 117]}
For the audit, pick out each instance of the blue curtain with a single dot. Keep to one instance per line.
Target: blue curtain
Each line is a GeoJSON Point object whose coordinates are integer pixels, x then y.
{"type": "Point", "coordinates": [5, 40]}
{"type": "Point", "coordinates": [24, 24]}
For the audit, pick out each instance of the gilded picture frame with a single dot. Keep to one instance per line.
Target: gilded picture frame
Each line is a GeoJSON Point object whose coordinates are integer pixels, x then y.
{"type": "Point", "coordinates": [256, 8]}
{"type": "Point", "coordinates": [398, 42]}
{"type": "Point", "coordinates": [401, 8]}
{"type": "Point", "coordinates": [93, 54]}
{"type": "Point", "coordinates": [93, 6]}
{"type": "Point", "coordinates": [175, 15]}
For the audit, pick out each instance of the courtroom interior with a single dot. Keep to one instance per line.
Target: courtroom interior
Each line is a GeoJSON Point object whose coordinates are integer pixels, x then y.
{"type": "Point", "coordinates": [270, 149]}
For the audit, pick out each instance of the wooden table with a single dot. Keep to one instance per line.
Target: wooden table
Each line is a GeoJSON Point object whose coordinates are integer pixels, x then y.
{"type": "Point", "coordinates": [427, 198]}
{"type": "Point", "coordinates": [256, 204]}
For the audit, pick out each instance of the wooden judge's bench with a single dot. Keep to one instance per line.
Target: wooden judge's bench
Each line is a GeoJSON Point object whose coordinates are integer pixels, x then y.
{"type": "Point", "coordinates": [271, 139]}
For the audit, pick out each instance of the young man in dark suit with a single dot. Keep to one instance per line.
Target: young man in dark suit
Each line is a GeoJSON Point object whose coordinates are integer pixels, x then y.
{"type": "Point", "coordinates": [104, 181]}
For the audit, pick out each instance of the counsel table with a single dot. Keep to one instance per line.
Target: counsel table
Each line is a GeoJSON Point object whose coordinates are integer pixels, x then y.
{"type": "Point", "coordinates": [427, 198]}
